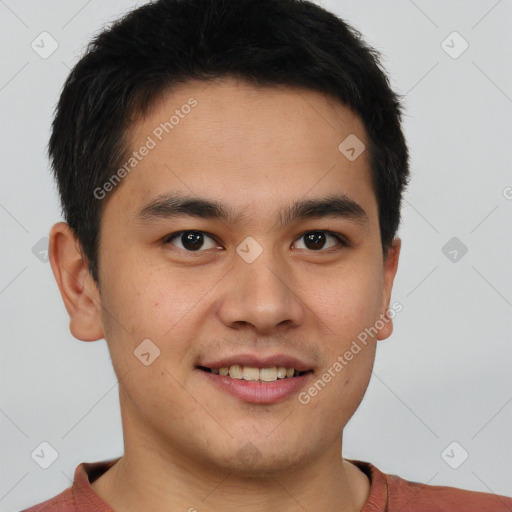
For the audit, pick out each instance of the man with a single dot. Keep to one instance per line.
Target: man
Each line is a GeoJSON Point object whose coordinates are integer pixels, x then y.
{"type": "Point", "coordinates": [231, 174]}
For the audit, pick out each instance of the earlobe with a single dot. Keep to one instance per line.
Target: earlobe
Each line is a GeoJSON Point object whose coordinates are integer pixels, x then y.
{"type": "Point", "coordinates": [390, 268]}
{"type": "Point", "coordinates": [78, 290]}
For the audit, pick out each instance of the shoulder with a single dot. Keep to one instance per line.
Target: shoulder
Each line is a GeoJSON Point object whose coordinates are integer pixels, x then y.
{"type": "Point", "coordinates": [391, 493]}
{"type": "Point", "coordinates": [60, 503]}
{"type": "Point", "coordinates": [418, 496]}
{"type": "Point", "coordinates": [80, 496]}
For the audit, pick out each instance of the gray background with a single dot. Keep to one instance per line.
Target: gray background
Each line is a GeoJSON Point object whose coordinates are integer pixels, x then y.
{"type": "Point", "coordinates": [443, 376]}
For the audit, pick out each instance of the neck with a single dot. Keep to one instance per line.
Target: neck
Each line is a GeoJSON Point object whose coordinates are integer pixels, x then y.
{"type": "Point", "coordinates": [152, 480]}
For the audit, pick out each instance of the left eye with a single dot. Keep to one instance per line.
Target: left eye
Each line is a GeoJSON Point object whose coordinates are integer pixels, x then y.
{"type": "Point", "coordinates": [315, 240]}
{"type": "Point", "coordinates": [193, 241]}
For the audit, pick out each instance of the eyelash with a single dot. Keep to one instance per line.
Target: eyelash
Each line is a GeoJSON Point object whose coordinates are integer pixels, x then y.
{"type": "Point", "coordinates": [343, 241]}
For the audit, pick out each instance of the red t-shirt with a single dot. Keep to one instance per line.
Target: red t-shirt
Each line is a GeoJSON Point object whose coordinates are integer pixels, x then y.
{"type": "Point", "coordinates": [388, 493]}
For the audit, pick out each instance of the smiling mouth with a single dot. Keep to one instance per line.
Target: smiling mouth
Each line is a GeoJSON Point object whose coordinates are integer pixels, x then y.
{"type": "Point", "coordinates": [251, 373]}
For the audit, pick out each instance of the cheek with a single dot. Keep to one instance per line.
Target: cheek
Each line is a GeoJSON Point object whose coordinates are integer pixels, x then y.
{"type": "Point", "coordinates": [347, 301]}
{"type": "Point", "coordinates": [140, 307]}
{"type": "Point", "coordinates": [348, 306]}
{"type": "Point", "coordinates": [150, 301]}
{"type": "Point", "coordinates": [347, 374]}
{"type": "Point", "coordinates": [153, 302]}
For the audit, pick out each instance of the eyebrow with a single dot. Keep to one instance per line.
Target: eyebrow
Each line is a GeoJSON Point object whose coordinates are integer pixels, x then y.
{"type": "Point", "coordinates": [172, 205]}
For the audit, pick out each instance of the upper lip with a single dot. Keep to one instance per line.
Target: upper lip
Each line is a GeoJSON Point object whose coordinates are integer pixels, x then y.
{"type": "Point", "coordinates": [259, 361]}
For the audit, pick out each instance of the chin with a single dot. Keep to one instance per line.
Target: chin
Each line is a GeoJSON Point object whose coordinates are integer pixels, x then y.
{"type": "Point", "coordinates": [264, 460]}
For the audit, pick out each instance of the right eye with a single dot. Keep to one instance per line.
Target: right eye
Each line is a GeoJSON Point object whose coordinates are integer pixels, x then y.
{"type": "Point", "coordinates": [191, 240]}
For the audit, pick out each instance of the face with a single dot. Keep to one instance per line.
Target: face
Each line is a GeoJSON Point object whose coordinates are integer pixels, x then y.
{"type": "Point", "coordinates": [245, 280]}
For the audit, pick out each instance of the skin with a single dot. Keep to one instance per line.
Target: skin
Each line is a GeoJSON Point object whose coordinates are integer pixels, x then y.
{"type": "Point", "coordinates": [256, 150]}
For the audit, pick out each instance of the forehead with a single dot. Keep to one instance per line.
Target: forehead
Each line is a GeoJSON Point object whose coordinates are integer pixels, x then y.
{"type": "Point", "coordinates": [237, 117]}
{"type": "Point", "coordinates": [248, 146]}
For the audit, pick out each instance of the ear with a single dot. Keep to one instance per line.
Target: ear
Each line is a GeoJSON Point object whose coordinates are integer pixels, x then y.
{"type": "Point", "coordinates": [77, 287]}
{"type": "Point", "coordinates": [390, 268]}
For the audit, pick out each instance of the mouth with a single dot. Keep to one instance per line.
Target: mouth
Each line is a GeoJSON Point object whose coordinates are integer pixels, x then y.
{"type": "Point", "coordinates": [255, 374]}
{"type": "Point", "coordinates": [266, 385]}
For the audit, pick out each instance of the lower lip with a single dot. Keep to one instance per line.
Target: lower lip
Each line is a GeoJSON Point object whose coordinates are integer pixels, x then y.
{"type": "Point", "coordinates": [259, 392]}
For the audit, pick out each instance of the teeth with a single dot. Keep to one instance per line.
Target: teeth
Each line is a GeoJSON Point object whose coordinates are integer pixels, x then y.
{"type": "Point", "coordinates": [281, 372]}
{"type": "Point", "coordinates": [236, 371]}
{"type": "Point", "coordinates": [249, 373]}
{"type": "Point", "coordinates": [271, 374]}
{"type": "Point", "coordinates": [268, 374]}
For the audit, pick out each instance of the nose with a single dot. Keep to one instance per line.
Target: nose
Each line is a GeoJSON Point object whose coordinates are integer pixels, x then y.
{"type": "Point", "coordinates": [261, 294]}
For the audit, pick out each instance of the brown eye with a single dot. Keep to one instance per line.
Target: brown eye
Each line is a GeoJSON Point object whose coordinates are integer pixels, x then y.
{"type": "Point", "coordinates": [316, 240]}
{"type": "Point", "coordinates": [190, 240]}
